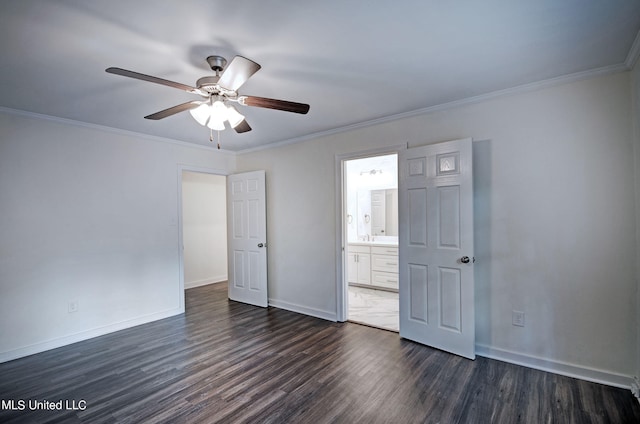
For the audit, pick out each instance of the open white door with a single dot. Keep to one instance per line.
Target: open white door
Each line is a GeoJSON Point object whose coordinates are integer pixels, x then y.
{"type": "Point", "coordinates": [435, 190]}
{"type": "Point", "coordinates": [247, 238]}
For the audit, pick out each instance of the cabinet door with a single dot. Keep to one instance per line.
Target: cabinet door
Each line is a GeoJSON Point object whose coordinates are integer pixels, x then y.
{"type": "Point", "coordinates": [352, 267]}
{"type": "Point", "coordinates": [364, 268]}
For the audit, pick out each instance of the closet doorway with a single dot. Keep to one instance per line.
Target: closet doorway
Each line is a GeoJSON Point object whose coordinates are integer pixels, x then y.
{"type": "Point", "coordinates": [203, 223]}
{"type": "Point", "coordinates": [370, 203]}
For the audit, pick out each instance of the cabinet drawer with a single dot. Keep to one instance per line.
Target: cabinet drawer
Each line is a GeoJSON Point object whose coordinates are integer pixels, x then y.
{"type": "Point", "coordinates": [386, 263]}
{"type": "Point", "coordinates": [384, 279]}
{"type": "Point", "coordinates": [384, 250]}
{"type": "Point", "coordinates": [358, 249]}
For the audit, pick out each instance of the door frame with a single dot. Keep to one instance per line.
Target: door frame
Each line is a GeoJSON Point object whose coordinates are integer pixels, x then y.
{"type": "Point", "coordinates": [342, 285]}
{"type": "Point", "coordinates": [181, 169]}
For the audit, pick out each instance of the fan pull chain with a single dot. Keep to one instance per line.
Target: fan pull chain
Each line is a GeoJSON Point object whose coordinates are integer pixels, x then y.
{"type": "Point", "coordinates": [211, 137]}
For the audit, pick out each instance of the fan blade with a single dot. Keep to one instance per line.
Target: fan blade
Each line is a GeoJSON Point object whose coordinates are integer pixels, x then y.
{"type": "Point", "coordinates": [149, 78]}
{"type": "Point", "coordinates": [274, 104]}
{"type": "Point", "coordinates": [242, 127]}
{"type": "Point", "coordinates": [237, 73]}
{"type": "Point", "coordinates": [173, 110]}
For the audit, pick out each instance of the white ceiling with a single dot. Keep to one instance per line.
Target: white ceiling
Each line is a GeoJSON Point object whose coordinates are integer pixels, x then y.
{"type": "Point", "coordinates": [352, 61]}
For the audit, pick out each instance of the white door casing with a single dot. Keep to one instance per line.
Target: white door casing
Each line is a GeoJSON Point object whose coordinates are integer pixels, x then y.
{"type": "Point", "coordinates": [436, 246]}
{"type": "Point", "coordinates": [246, 234]}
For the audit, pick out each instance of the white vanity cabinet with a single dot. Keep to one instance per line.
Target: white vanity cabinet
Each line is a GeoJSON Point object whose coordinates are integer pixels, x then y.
{"type": "Point", "coordinates": [373, 265]}
{"type": "Point", "coordinates": [359, 267]}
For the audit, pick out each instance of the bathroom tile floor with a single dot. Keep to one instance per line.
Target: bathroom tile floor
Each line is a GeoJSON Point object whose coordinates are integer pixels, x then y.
{"type": "Point", "coordinates": [377, 308]}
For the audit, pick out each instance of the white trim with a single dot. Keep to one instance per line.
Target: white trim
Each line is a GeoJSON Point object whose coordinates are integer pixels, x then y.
{"type": "Point", "coordinates": [305, 310]}
{"type": "Point", "coordinates": [119, 131]}
{"type": "Point", "coordinates": [634, 53]}
{"type": "Point", "coordinates": [341, 237]}
{"type": "Point", "coordinates": [205, 282]}
{"type": "Point", "coordinates": [556, 367]}
{"type": "Point", "coordinates": [552, 82]}
{"type": "Point", "coordinates": [202, 169]}
{"type": "Point", "coordinates": [86, 335]}
{"type": "Point", "coordinates": [340, 189]}
{"type": "Point", "coordinates": [635, 388]}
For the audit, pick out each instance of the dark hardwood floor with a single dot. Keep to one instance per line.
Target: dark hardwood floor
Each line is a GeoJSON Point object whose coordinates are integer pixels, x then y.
{"type": "Point", "coordinates": [229, 362]}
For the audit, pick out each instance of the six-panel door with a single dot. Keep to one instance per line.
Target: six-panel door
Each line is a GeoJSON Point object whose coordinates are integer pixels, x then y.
{"type": "Point", "coordinates": [436, 232]}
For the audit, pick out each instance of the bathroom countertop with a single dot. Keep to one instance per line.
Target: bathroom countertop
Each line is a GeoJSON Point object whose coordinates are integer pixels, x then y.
{"type": "Point", "coordinates": [374, 243]}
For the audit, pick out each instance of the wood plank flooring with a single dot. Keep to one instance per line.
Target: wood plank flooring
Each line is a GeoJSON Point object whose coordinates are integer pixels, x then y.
{"type": "Point", "coordinates": [228, 362]}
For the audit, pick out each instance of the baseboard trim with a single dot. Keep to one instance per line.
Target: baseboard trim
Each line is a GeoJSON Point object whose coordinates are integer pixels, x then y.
{"type": "Point", "coordinates": [635, 387]}
{"type": "Point", "coordinates": [205, 282]}
{"type": "Point", "coordinates": [294, 307]}
{"type": "Point", "coordinates": [85, 335]}
{"type": "Point", "coordinates": [556, 367]}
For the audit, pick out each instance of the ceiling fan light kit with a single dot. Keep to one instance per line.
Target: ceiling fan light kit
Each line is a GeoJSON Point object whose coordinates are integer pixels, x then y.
{"type": "Point", "coordinates": [214, 113]}
{"type": "Point", "coordinates": [218, 90]}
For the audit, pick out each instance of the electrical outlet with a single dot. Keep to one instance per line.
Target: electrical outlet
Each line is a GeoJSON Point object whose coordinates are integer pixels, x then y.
{"type": "Point", "coordinates": [73, 306]}
{"type": "Point", "coordinates": [517, 318]}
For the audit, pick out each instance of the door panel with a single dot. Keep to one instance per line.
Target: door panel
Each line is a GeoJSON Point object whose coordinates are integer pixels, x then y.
{"type": "Point", "coordinates": [238, 269]}
{"type": "Point", "coordinates": [254, 219]}
{"type": "Point", "coordinates": [449, 217]}
{"type": "Point", "coordinates": [237, 219]}
{"type": "Point", "coordinates": [418, 293]}
{"type": "Point", "coordinates": [436, 231]}
{"type": "Point", "coordinates": [450, 297]}
{"type": "Point", "coordinates": [247, 238]}
{"type": "Point", "coordinates": [417, 219]}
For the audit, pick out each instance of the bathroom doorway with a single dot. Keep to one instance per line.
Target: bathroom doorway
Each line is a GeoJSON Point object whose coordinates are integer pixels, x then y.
{"type": "Point", "coordinates": [370, 199]}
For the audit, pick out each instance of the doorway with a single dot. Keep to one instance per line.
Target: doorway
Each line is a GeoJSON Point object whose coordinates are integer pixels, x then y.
{"type": "Point", "coordinates": [370, 193]}
{"type": "Point", "coordinates": [203, 222]}
{"type": "Point", "coordinates": [435, 243]}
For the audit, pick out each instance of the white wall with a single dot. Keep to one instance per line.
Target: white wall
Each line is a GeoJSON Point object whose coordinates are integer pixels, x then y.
{"type": "Point", "coordinates": [555, 221]}
{"type": "Point", "coordinates": [87, 215]}
{"type": "Point", "coordinates": [204, 223]}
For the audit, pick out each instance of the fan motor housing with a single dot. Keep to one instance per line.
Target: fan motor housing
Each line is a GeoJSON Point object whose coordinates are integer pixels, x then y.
{"type": "Point", "coordinates": [208, 84]}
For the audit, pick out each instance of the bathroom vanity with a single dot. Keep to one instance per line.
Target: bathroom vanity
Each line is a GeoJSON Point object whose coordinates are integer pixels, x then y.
{"type": "Point", "coordinates": [373, 265]}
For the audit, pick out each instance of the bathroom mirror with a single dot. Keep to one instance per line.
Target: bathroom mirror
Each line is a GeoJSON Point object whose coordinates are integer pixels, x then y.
{"type": "Point", "coordinates": [377, 213]}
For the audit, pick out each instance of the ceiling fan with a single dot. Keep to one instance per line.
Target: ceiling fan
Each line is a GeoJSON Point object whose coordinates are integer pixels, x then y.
{"type": "Point", "coordinates": [218, 91]}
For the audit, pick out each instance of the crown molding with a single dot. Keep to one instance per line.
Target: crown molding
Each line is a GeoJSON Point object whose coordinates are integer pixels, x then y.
{"type": "Point", "coordinates": [632, 57]}
{"type": "Point", "coordinates": [552, 82]}
{"type": "Point", "coordinates": [104, 128]}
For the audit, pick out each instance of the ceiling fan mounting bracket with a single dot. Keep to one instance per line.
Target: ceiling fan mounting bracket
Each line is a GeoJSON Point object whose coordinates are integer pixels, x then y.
{"type": "Point", "coordinates": [217, 63]}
